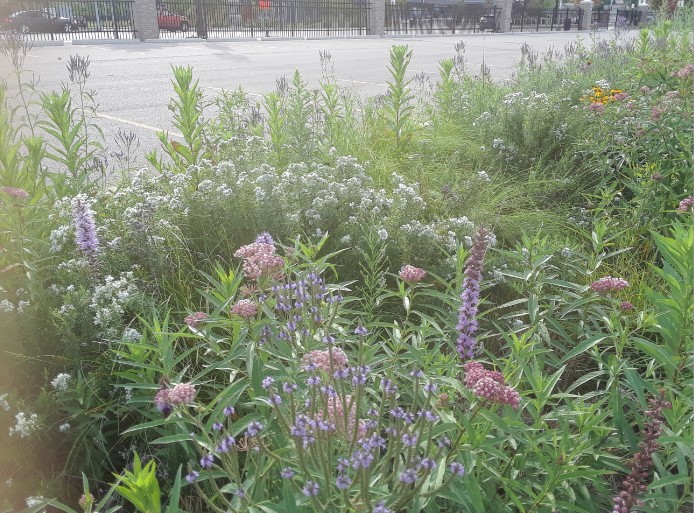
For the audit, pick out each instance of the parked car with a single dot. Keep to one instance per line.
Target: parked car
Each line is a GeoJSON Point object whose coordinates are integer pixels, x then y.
{"type": "Point", "coordinates": [487, 22]}
{"type": "Point", "coordinates": [169, 21]}
{"type": "Point", "coordinates": [39, 21]}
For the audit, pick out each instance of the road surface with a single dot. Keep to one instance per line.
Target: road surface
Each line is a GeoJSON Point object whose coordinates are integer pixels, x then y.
{"type": "Point", "coordinates": [133, 79]}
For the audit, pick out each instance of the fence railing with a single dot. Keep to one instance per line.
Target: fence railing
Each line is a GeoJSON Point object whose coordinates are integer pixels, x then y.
{"type": "Point", "coordinates": [258, 18]}
{"type": "Point", "coordinates": [600, 19]}
{"type": "Point", "coordinates": [46, 20]}
{"type": "Point", "coordinates": [426, 18]}
{"type": "Point", "coordinates": [540, 20]}
{"type": "Point", "coordinates": [627, 18]}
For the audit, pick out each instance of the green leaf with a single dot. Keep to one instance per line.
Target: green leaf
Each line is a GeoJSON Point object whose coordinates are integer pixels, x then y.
{"type": "Point", "coordinates": [584, 346]}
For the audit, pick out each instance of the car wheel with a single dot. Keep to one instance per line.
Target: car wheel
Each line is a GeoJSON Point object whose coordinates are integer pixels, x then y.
{"type": "Point", "coordinates": [184, 26]}
{"type": "Point", "coordinates": [24, 29]}
{"type": "Point", "coordinates": [67, 27]}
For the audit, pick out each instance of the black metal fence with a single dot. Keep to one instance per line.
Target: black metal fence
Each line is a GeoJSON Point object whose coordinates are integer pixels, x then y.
{"type": "Point", "coordinates": [68, 19]}
{"type": "Point", "coordinates": [627, 18]}
{"type": "Point", "coordinates": [600, 19]}
{"type": "Point", "coordinates": [541, 20]}
{"type": "Point", "coordinates": [425, 18]}
{"type": "Point", "coordinates": [262, 18]}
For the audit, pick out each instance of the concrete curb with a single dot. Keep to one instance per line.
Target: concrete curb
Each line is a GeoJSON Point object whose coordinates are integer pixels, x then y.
{"type": "Point", "coordinates": [47, 43]}
{"type": "Point", "coordinates": [83, 42]}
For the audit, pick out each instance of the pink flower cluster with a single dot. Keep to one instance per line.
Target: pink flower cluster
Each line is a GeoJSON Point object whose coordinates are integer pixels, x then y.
{"type": "Point", "coordinates": [489, 385]}
{"type": "Point", "coordinates": [686, 204]}
{"type": "Point", "coordinates": [335, 412]}
{"type": "Point", "coordinates": [412, 274]}
{"type": "Point", "coordinates": [245, 308]}
{"type": "Point", "coordinates": [166, 398]}
{"type": "Point", "coordinates": [597, 107]}
{"type": "Point", "coordinates": [195, 319]}
{"type": "Point", "coordinates": [15, 192]}
{"type": "Point", "coordinates": [322, 360]}
{"type": "Point", "coordinates": [608, 285]}
{"type": "Point", "coordinates": [684, 72]}
{"type": "Point", "coordinates": [259, 260]}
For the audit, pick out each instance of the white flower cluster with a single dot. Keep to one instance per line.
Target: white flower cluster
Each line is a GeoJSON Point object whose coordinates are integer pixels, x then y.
{"type": "Point", "coordinates": [34, 501]}
{"type": "Point", "coordinates": [6, 306]}
{"type": "Point", "coordinates": [560, 131]}
{"type": "Point", "coordinates": [482, 119]}
{"type": "Point", "coordinates": [61, 382]}
{"type": "Point", "coordinates": [25, 424]}
{"type": "Point", "coordinates": [109, 301]}
{"type": "Point", "coordinates": [532, 100]}
{"type": "Point", "coordinates": [314, 196]}
{"type": "Point", "coordinates": [131, 335]}
{"type": "Point", "coordinates": [513, 98]}
{"type": "Point", "coordinates": [444, 233]}
{"type": "Point", "coordinates": [483, 176]}
{"type": "Point", "coordinates": [59, 237]}
{"type": "Point", "coordinates": [3, 402]}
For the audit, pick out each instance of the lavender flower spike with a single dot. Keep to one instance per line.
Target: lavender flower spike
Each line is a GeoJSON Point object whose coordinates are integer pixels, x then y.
{"type": "Point", "coordinates": [468, 325]}
{"type": "Point", "coordinates": [85, 228]}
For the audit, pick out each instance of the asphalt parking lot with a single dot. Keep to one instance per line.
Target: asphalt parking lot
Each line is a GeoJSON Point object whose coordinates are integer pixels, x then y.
{"type": "Point", "coordinates": [133, 79]}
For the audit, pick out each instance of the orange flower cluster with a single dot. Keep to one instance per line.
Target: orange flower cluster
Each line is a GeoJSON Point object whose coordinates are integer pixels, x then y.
{"type": "Point", "coordinates": [603, 95]}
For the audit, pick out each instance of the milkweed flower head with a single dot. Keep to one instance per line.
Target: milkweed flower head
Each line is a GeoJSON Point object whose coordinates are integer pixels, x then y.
{"type": "Point", "coordinates": [335, 415]}
{"type": "Point", "coordinates": [195, 319]}
{"type": "Point", "coordinates": [322, 360]}
{"type": "Point", "coordinates": [245, 308]}
{"type": "Point", "coordinates": [411, 274]}
{"type": "Point", "coordinates": [489, 385]}
{"type": "Point", "coordinates": [608, 285]}
{"type": "Point", "coordinates": [167, 398]}
{"type": "Point", "coordinates": [470, 296]}
{"type": "Point", "coordinates": [260, 259]}
{"type": "Point", "coordinates": [686, 204]}
{"type": "Point", "coordinates": [15, 193]}
{"type": "Point", "coordinates": [684, 72]}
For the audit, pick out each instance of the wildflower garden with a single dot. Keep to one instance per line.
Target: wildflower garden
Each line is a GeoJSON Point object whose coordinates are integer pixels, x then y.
{"type": "Point", "coordinates": [459, 296]}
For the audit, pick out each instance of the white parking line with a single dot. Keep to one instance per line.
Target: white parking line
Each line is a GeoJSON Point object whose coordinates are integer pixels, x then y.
{"type": "Point", "coordinates": [359, 82]}
{"type": "Point", "coordinates": [139, 125]}
{"type": "Point", "coordinates": [223, 89]}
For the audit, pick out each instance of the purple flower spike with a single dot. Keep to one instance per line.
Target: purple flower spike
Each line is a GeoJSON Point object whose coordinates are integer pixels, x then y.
{"type": "Point", "coordinates": [470, 296]}
{"type": "Point", "coordinates": [311, 489]}
{"type": "Point", "coordinates": [254, 429]}
{"type": "Point", "coordinates": [457, 469]}
{"type": "Point", "coordinates": [192, 476]}
{"type": "Point", "coordinates": [287, 473]}
{"type": "Point", "coordinates": [264, 238]}
{"type": "Point", "coordinates": [85, 228]}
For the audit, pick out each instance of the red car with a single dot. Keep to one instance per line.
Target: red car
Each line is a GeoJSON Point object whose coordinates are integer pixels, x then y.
{"type": "Point", "coordinates": [170, 21]}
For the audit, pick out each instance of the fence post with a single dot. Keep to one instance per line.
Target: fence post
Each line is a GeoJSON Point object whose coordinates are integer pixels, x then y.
{"type": "Point", "coordinates": [642, 9]}
{"type": "Point", "coordinates": [505, 15]}
{"type": "Point", "coordinates": [145, 19]}
{"type": "Point", "coordinates": [585, 6]}
{"type": "Point", "coordinates": [377, 14]}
